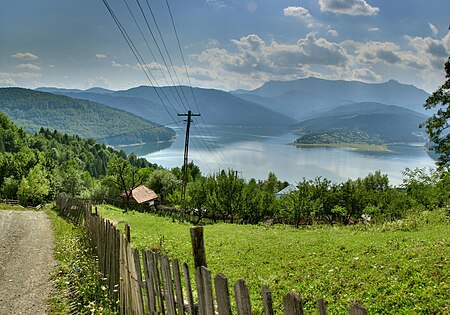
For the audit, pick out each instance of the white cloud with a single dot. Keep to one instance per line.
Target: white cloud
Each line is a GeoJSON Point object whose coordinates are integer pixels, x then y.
{"type": "Point", "coordinates": [8, 82]}
{"type": "Point", "coordinates": [29, 66]}
{"type": "Point", "coordinates": [216, 3]}
{"type": "Point", "coordinates": [350, 7]}
{"type": "Point", "coordinates": [19, 75]}
{"type": "Point", "coordinates": [366, 75]}
{"type": "Point", "coordinates": [25, 56]}
{"type": "Point", "coordinates": [333, 33]}
{"type": "Point", "coordinates": [253, 61]}
{"type": "Point", "coordinates": [119, 65]}
{"type": "Point", "coordinates": [433, 29]}
{"type": "Point", "coordinates": [301, 14]}
{"type": "Point", "coordinates": [100, 56]}
{"type": "Point", "coordinates": [373, 29]}
{"type": "Point", "coordinates": [257, 61]}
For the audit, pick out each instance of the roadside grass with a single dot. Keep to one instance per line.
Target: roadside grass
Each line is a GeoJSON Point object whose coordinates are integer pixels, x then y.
{"type": "Point", "coordinates": [4, 206]}
{"type": "Point", "coordinates": [401, 267]}
{"type": "Point", "coordinates": [78, 282]}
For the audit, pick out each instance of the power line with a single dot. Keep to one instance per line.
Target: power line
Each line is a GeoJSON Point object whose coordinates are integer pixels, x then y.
{"type": "Point", "coordinates": [148, 73]}
{"type": "Point", "coordinates": [190, 84]}
{"type": "Point", "coordinates": [135, 53]}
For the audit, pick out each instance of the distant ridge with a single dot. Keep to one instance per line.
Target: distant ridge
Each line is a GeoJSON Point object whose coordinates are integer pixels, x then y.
{"type": "Point", "coordinates": [388, 123]}
{"type": "Point", "coordinates": [305, 98]}
{"type": "Point", "coordinates": [217, 107]}
{"type": "Point", "coordinates": [33, 110]}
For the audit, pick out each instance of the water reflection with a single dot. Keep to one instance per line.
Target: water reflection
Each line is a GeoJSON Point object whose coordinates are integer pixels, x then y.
{"type": "Point", "coordinates": [257, 151]}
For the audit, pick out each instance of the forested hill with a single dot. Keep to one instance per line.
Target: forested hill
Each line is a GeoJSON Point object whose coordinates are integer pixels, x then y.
{"type": "Point", "coordinates": [375, 122]}
{"type": "Point", "coordinates": [33, 110]}
{"type": "Point", "coordinates": [38, 166]}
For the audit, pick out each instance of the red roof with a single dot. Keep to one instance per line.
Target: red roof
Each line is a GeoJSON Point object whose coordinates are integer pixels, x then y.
{"type": "Point", "coordinates": [141, 194]}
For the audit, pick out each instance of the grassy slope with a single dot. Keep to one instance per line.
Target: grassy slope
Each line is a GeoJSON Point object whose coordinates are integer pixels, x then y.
{"type": "Point", "coordinates": [395, 268]}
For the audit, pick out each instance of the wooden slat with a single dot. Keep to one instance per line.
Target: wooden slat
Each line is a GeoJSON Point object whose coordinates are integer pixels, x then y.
{"type": "Point", "coordinates": [178, 286]}
{"type": "Point", "coordinates": [357, 309]}
{"type": "Point", "coordinates": [267, 300]}
{"type": "Point", "coordinates": [207, 290]}
{"type": "Point", "coordinates": [187, 284]}
{"type": "Point", "coordinates": [151, 307]}
{"type": "Point", "coordinates": [136, 292]}
{"type": "Point", "coordinates": [242, 298]}
{"type": "Point", "coordinates": [200, 291]}
{"type": "Point", "coordinates": [158, 285]}
{"type": "Point", "coordinates": [168, 286]}
{"type": "Point", "coordinates": [222, 294]}
{"type": "Point", "coordinates": [321, 307]}
{"type": "Point", "coordinates": [292, 304]}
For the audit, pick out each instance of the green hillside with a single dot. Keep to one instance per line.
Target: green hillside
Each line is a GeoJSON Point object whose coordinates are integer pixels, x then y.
{"type": "Point", "coordinates": [362, 122]}
{"type": "Point", "coordinates": [33, 110]}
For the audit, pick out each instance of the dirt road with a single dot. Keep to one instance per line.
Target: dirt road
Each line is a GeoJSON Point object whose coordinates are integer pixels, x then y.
{"type": "Point", "coordinates": [26, 262]}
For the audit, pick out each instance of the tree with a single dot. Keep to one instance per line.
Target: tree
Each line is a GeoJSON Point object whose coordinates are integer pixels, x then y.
{"type": "Point", "coordinates": [125, 176]}
{"type": "Point", "coordinates": [437, 126]}
{"type": "Point", "coordinates": [163, 182]}
{"type": "Point", "coordinates": [34, 188]}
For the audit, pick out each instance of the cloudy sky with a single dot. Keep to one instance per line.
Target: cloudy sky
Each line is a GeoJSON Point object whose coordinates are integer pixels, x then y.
{"type": "Point", "coordinates": [227, 44]}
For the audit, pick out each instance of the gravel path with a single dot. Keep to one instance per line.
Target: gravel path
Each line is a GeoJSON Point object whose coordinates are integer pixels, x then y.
{"type": "Point", "coordinates": [26, 262]}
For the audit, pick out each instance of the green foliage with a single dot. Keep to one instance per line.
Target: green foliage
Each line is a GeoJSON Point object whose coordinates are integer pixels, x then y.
{"type": "Point", "coordinates": [79, 283]}
{"type": "Point", "coordinates": [69, 163]}
{"type": "Point", "coordinates": [10, 187]}
{"type": "Point", "coordinates": [32, 110]}
{"type": "Point", "coordinates": [35, 188]}
{"type": "Point", "coordinates": [339, 137]}
{"type": "Point", "coordinates": [438, 124]}
{"type": "Point", "coordinates": [163, 182]}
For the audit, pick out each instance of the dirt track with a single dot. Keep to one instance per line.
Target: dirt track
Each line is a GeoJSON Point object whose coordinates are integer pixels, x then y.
{"type": "Point", "coordinates": [26, 262]}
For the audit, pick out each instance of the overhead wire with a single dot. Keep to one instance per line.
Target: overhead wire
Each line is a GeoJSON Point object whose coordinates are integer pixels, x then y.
{"type": "Point", "coordinates": [191, 88]}
{"type": "Point", "coordinates": [175, 86]}
{"type": "Point", "coordinates": [149, 73]}
{"type": "Point", "coordinates": [136, 54]}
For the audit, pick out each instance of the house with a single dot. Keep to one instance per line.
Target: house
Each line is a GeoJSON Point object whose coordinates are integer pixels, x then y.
{"type": "Point", "coordinates": [286, 191]}
{"type": "Point", "coordinates": [141, 195]}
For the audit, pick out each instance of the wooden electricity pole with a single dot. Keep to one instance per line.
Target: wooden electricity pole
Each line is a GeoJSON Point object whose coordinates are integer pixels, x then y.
{"type": "Point", "coordinates": [185, 162]}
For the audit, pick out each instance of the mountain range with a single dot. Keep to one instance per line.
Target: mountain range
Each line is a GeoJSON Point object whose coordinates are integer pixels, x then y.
{"type": "Point", "coordinates": [304, 105]}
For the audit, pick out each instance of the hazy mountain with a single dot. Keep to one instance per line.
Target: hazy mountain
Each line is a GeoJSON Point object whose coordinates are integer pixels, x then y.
{"type": "Point", "coordinates": [98, 90]}
{"type": "Point", "coordinates": [304, 98]}
{"type": "Point", "coordinates": [216, 107]}
{"type": "Point", "coordinates": [387, 122]}
{"type": "Point", "coordinates": [33, 110]}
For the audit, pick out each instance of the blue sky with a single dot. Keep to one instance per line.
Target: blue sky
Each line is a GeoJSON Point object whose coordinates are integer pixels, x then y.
{"type": "Point", "coordinates": [227, 44]}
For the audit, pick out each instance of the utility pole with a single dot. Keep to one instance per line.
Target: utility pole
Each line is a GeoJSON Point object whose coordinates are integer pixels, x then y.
{"type": "Point", "coordinates": [185, 162]}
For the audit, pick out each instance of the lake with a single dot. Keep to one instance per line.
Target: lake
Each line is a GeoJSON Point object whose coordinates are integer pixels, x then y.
{"type": "Point", "coordinates": [255, 152]}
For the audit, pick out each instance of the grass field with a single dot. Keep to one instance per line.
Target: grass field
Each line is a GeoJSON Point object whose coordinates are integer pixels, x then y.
{"type": "Point", "coordinates": [394, 268]}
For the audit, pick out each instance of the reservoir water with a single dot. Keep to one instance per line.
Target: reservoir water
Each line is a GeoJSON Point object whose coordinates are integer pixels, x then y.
{"type": "Point", "coordinates": [255, 152]}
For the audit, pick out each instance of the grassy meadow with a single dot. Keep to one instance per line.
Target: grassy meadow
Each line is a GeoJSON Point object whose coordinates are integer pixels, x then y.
{"type": "Point", "coordinates": [401, 267]}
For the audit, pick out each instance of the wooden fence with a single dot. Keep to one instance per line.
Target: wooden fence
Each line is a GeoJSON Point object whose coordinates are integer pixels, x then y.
{"type": "Point", "coordinates": [147, 282]}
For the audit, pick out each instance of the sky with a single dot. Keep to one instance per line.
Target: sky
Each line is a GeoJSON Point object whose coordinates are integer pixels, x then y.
{"type": "Point", "coordinates": [226, 44]}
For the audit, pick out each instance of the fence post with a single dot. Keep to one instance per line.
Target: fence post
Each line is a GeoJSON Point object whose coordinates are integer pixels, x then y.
{"type": "Point", "coordinates": [241, 293]}
{"type": "Point", "coordinates": [292, 304]}
{"type": "Point", "coordinates": [321, 307]}
{"type": "Point", "coordinates": [198, 246]}
{"type": "Point", "coordinates": [357, 309]}
{"type": "Point", "coordinates": [267, 300]}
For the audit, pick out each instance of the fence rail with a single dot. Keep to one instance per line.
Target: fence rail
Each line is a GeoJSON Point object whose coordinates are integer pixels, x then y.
{"type": "Point", "coordinates": [147, 282]}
